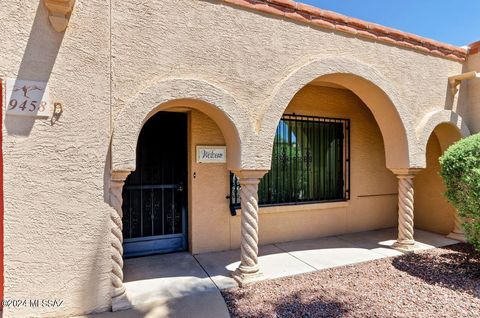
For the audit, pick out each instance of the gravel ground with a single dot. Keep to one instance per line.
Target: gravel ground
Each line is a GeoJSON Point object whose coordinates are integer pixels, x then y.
{"type": "Point", "coordinates": [432, 283]}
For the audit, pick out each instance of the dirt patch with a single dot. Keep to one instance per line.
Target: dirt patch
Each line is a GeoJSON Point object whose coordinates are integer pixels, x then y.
{"type": "Point", "coordinates": [432, 283]}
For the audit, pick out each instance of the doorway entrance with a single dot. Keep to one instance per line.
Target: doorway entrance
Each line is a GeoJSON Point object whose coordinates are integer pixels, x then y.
{"type": "Point", "coordinates": [155, 195]}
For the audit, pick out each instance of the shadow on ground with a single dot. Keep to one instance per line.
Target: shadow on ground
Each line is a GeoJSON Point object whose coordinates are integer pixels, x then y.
{"type": "Point", "coordinates": [295, 306]}
{"type": "Point", "coordinates": [299, 304]}
{"type": "Point", "coordinates": [448, 268]}
{"type": "Point", "coordinates": [201, 305]}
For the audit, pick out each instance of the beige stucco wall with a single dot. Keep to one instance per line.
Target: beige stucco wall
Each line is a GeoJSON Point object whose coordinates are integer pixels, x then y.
{"type": "Point", "coordinates": [232, 50]}
{"type": "Point", "coordinates": [113, 67]}
{"type": "Point", "coordinates": [472, 90]}
{"type": "Point", "coordinates": [57, 225]}
{"type": "Point", "coordinates": [432, 210]}
{"type": "Point", "coordinates": [209, 214]}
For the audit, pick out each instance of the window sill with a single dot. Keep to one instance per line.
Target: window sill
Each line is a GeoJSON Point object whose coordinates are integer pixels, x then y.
{"type": "Point", "coordinates": [300, 207]}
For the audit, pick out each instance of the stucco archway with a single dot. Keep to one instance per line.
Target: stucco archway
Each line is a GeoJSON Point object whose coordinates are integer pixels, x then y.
{"type": "Point", "coordinates": [392, 116]}
{"type": "Point", "coordinates": [433, 213]}
{"type": "Point", "coordinates": [165, 95]}
{"type": "Point", "coordinates": [448, 127]}
{"type": "Point", "coordinates": [191, 93]}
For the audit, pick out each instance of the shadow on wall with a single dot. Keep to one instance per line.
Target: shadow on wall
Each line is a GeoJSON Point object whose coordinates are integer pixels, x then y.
{"type": "Point", "coordinates": [37, 64]}
{"type": "Point", "coordinates": [462, 102]}
{"type": "Point", "coordinates": [107, 176]}
{"type": "Point", "coordinates": [461, 107]}
{"type": "Point", "coordinates": [96, 284]}
{"type": "Point", "coordinates": [93, 293]}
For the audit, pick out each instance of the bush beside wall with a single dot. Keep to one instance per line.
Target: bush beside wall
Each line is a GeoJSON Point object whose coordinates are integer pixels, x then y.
{"type": "Point", "coordinates": [460, 169]}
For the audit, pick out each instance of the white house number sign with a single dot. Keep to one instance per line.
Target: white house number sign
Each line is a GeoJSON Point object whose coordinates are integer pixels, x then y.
{"type": "Point", "coordinates": [211, 154]}
{"type": "Point", "coordinates": [26, 98]}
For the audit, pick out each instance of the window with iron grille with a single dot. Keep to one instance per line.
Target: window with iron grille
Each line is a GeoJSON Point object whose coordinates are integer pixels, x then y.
{"type": "Point", "coordinates": [310, 163]}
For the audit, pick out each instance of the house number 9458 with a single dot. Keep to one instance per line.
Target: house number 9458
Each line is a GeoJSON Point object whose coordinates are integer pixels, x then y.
{"type": "Point", "coordinates": [31, 107]}
{"type": "Point", "coordinates": [27, 98]}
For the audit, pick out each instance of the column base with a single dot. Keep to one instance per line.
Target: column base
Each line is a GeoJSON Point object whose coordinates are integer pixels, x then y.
{"type": "Point", "coordinates": [121, 302]}
{"type": "Point", "coordinates": [457, 237]}
{"type": "Point", "coordinates": [244, 279]}
{"type": "Point", "coordinates": [404, 246]}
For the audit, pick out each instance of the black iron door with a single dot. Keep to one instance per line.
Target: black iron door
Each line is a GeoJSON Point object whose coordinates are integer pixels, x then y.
{"type": "Point", "coordinates": [155, 194]}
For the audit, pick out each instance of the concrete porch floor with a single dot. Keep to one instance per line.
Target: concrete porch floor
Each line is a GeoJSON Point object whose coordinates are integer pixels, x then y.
{"type": "Point", "coordinates": [185, 285]}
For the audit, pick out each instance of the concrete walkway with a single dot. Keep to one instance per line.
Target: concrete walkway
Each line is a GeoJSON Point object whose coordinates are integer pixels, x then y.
{"type": "Point", "coordinates": [185, 285]}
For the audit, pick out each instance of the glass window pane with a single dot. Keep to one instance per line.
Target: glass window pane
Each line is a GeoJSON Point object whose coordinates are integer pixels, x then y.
{"type": "Point", "coordinates": [308, 162]}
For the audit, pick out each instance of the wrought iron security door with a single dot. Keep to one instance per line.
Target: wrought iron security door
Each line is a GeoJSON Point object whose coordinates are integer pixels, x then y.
{"type": "Point", "coordinates": [154, 195]}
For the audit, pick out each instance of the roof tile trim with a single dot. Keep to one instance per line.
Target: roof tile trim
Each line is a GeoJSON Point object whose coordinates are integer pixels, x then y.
{"type": "Point", "coordinates": [334, 21]}
{"type": "Point", "coordinates": [474, 48]}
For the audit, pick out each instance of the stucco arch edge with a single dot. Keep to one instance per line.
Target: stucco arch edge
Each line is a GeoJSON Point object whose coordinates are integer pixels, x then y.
{"type": "Point", "coordinates": [431, 121]}
{"type": "Point", "coordinates": [378, 93]}
{"type": "Point", "coordinates": [179, 92]}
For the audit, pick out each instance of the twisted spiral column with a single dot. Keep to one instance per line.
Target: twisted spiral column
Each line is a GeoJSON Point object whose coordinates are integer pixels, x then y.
{"type": "Point", "coordinates": [116, 186]}
{"type": "Point", "coordinates": [249, 230]}
{"type": "Point", "coordinates": [405, 240]}
{"type": "Point", "coordinates": [249, 270]}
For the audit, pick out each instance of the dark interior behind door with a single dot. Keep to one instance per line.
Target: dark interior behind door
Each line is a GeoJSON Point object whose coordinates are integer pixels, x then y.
{"type": "Point", "coordinates": [154, 195]}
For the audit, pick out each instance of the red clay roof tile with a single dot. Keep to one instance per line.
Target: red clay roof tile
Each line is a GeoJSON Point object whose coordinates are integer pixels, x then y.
{"type": "Point", "coordinates": [474, 48]}
{"type": "Point", "coordinates": [322, 23]}
{"type": "Point", "coordinates": [285, 3]}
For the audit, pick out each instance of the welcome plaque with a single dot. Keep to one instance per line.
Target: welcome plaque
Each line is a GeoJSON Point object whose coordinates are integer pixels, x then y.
{"type": "Point", "coordinates": [211, 154]}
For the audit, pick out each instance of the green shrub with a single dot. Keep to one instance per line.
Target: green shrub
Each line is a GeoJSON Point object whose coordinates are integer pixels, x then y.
{"type": "Point", "coordinates": [460, 169]}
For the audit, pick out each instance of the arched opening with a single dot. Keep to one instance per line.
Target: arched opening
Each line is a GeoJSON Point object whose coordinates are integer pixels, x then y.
{"type": "Point", "coordinates": [432, 210]}
{"type": "Point", "coordinates": [175, 206]}
{"type": "Point", "coordinates": [184, 94]}
{"type": "Point", "coordinates": [170, 197]}
{"type": "Point", "coordinates": [213, 118]}
{"type": "Point", "coordinates": [155, 201]}
{"type": "Point", "coordinates": [373, 200]}
{"type": "Point", "coordinates": [375, 91]}
{"type": "Point", "coordinates": [328, 156]}
{"type": "Point", "coordinates": [224, 123]}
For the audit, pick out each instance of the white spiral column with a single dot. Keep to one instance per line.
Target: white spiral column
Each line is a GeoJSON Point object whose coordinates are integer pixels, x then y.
{"type": "Point", "coordinates": [405, 241]}
{"type": "Point", "coordinates": [119, 297]}
{"type": "Point", "coordinates": [249, 270]}
{"type": "Point", "coordinates": [457, 232]}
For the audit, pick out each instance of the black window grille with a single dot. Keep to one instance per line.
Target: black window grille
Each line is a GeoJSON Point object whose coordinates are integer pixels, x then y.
{"type": "Point", "coordinates": [310, 163]}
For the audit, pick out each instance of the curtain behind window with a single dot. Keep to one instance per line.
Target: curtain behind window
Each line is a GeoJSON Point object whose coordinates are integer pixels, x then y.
{"type": "Point", "coordinates": [307, 163]}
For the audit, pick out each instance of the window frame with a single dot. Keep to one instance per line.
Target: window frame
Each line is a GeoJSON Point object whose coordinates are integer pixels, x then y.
{"type": "Point", "coordinates": [346, 126]}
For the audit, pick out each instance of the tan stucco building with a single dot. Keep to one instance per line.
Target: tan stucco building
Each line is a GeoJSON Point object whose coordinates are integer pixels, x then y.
{"type": "Point", "coordinates": [329, 124]}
